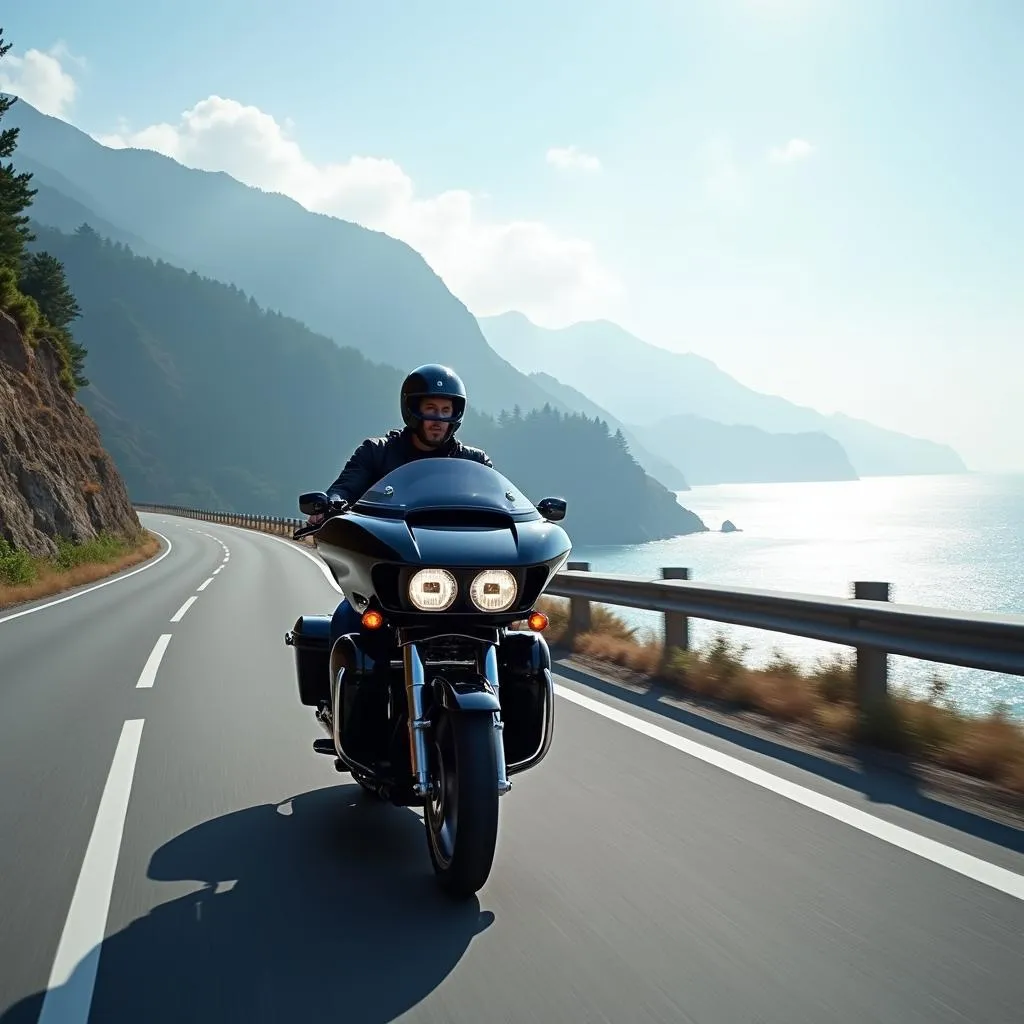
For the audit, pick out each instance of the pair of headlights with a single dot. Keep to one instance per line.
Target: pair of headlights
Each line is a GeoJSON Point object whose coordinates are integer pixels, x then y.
{"type": "Point", "coordinates": [435, 590]}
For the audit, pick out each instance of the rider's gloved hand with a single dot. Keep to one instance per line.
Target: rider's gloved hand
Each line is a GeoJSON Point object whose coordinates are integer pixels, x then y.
{"type": "Point", "coordinates": [336, 507]}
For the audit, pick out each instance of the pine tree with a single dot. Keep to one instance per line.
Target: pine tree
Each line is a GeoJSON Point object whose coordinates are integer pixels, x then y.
{"type": "Point", "coordinates": [42, 277]}
{"type": "Point", "coordinates": [15, 194]}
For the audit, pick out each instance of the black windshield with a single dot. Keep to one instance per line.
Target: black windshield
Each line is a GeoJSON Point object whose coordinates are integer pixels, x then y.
{"type": "Point", "coordinates": [438, 483]}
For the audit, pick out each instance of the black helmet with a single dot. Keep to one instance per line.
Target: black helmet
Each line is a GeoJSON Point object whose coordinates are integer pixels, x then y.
{"type": "Point", "coordinates": [433, 380]}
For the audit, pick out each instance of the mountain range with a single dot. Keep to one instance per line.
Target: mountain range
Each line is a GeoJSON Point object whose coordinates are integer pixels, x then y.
{"type": "Point", "coordinates": [204, 398]}
{"type": "Point", "coordinates": [361, 288]}
{"type": "Point", "coordinates": [370, 293]}
{"type": "Point", "coordinates": [660, 385]}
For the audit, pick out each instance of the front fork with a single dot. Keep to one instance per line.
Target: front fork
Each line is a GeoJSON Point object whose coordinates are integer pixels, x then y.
{"type": "Point", "coordinates": [491, 675]}
{"type": "Point", "coordinates": [415, 679]}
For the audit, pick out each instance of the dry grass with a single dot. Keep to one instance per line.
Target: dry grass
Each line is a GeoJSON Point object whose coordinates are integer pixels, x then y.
{"type": "Point", "coordinates": [76, 565]}
{"type": "Point", "coordinates": [930, 730]}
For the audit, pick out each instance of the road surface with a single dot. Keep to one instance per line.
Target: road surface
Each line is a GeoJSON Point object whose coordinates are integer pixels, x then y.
{"type": "Point", "coordinates": [174, 850]}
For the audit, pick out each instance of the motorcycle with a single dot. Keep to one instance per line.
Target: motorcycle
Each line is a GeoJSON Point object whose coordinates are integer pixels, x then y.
{"type": "Point", "coordinates": [436, 702]}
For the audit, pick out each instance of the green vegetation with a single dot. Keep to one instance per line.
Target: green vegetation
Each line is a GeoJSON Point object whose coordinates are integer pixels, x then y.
{"type": "Point", "coordinates": [33, 289]}
{"type": "Point", "coordinates": [25, 578]}
{"type": "Point", "coordinates": [206, 400]}
{"type": "Point", "coordinates": [929, 730]}
{"type": "Point", "coordinates": [18, 567]}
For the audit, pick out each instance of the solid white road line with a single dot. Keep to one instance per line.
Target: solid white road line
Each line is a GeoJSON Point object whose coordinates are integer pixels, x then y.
{"type": "Point", "coordinates": [293, 545]}
{"type": "Point", "coordinates": [180, 613]}
{"type": "Point", "coordinates": [107, 583]}
{"type": "Point", "coordinates": [982, 871]}
{"type": "Point", "coordinates": [938, 853]}
{"type": "Point", "coordinates": [149, 670]}
{"type": "Point", "coordinates": [203, 586]}
{"type": "Point", "coordinates": [73, 976]}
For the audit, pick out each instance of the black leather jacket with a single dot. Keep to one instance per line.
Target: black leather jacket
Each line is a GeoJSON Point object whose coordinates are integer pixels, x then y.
{"type": "Point", "coordinates": [378, 456]}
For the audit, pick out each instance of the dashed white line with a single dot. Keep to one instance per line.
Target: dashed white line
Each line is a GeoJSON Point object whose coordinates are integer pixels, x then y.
{"type": "Point", "coordinates": [203, 586]}
{"type": "Point", "coordinates": [938, 853]}
{"type": "Point", "coordinates": [218, 569]}
{"type": "Point", "coordinates": [73, 976]}
{"type": "Point", "coordinates": [149, 670]}
{"type": "Point", "coordinates": [180, 613]}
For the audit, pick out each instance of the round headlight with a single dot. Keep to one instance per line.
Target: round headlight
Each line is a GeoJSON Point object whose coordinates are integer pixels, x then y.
{"type": "Point", "coordinates": [432, 590]}
{"type": "Point", "coordinates": [494, 590]}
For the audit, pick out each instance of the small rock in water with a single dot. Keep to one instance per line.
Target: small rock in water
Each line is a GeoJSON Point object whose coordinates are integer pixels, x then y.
{"type": "Point", "coordinates": [730, 527]}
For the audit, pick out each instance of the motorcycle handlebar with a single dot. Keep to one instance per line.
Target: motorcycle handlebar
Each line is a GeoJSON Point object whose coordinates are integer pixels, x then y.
{"type": "Point", "coordinates": [334, 508]}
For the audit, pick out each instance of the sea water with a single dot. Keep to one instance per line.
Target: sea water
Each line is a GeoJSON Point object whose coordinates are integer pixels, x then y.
{"type": "Point", "coordinates": [953, 542]}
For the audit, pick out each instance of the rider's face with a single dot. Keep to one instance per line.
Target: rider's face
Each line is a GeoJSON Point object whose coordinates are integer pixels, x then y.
{"type": "Point", "coordinates": [434, 430]}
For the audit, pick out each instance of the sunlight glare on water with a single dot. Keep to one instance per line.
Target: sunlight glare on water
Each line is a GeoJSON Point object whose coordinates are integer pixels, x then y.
{"type": "Point", "coordinates": [944, 541]}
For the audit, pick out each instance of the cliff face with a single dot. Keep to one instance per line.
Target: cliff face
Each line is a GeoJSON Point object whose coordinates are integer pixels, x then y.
{"type": "Point", "coordinates": [56, 480]}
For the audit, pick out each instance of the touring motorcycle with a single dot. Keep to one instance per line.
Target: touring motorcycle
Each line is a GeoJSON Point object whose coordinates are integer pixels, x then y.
{"type": "Point", "coordinates": [436, 702]}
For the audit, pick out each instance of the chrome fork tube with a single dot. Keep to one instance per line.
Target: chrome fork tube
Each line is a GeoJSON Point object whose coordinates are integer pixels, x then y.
{"type": "Point", "coordinates": [491, 674]}
{"type": "Point", "coordinates": [414, 681]}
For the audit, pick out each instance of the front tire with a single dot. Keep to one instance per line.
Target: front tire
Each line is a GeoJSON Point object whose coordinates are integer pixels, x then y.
{"type": "Point", "coordinates": [461, 815]}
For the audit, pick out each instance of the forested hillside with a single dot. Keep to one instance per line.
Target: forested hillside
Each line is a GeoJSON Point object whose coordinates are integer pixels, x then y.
{"type": "Point", "coordinates": [205, 398]}
{"type": "Point", "coordinates": [354, 285]}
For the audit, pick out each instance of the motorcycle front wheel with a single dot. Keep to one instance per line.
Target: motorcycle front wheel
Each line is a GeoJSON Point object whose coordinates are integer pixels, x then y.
{"type": "Point", "coordinates": [461, 814]}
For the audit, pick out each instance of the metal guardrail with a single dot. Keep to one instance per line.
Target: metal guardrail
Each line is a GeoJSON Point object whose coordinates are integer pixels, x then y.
{"type": "Point", "coordinates": [867, 622]}
{"type": "Point", "coordinates": [272, 524]}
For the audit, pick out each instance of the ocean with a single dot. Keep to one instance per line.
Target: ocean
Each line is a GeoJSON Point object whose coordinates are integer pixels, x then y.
{"type": "Point", "coordinates": [945, 541]}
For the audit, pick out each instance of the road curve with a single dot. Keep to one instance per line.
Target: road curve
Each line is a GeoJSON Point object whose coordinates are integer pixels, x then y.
{"type": "Point", "coordinates": [174, 850]}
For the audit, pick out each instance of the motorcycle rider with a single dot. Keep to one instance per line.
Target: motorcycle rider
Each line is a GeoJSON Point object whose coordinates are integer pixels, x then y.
{"type": "Point", "coordinates": [433, 404]}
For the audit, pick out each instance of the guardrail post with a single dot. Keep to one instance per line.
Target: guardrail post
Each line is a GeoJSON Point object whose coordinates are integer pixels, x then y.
{"type": "Point", "coordinates": [677, 625]}
{"type": "Point", "coordinates": [579, 607]}
{"type": "Point", "coordinates": [872, 662]}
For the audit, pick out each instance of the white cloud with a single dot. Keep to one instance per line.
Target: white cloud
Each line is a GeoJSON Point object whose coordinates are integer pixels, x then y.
{"type": "Point", "coordinates": [567, 158]}
{"type": "Point", "coordinates": [795, 149]}
{"type": "Point", "coordinates": [39, 79]}
{"type": "Point", "coordinates": [490, 265]}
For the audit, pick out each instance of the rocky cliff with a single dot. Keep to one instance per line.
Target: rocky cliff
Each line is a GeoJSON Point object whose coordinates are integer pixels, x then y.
{"type": "Point", "coordinates": [56, 480]}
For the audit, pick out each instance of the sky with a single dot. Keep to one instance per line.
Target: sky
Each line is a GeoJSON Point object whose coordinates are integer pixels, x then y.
{"type": "Point", "coordinates": [825, 197]}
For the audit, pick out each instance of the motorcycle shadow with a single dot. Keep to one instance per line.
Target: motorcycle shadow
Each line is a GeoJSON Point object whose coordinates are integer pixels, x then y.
{"type": "Point", "coordinates": [333, 914]}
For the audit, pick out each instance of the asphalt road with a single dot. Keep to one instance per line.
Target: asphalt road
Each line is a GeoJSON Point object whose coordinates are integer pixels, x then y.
{"type": "Point", "coordinates": [176, 851]}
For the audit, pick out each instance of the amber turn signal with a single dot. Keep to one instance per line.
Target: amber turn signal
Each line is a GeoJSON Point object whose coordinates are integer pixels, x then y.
{"type": "Point", "coordinates": [537, 621]}
{"type": "Point", "coordinates": [372, 619]}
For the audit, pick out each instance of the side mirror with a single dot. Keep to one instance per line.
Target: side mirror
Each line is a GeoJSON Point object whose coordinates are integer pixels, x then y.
{"type": "Point", "coordinates": [552, 509]}
{"type": "Point", "coordinates": [313, 503]}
